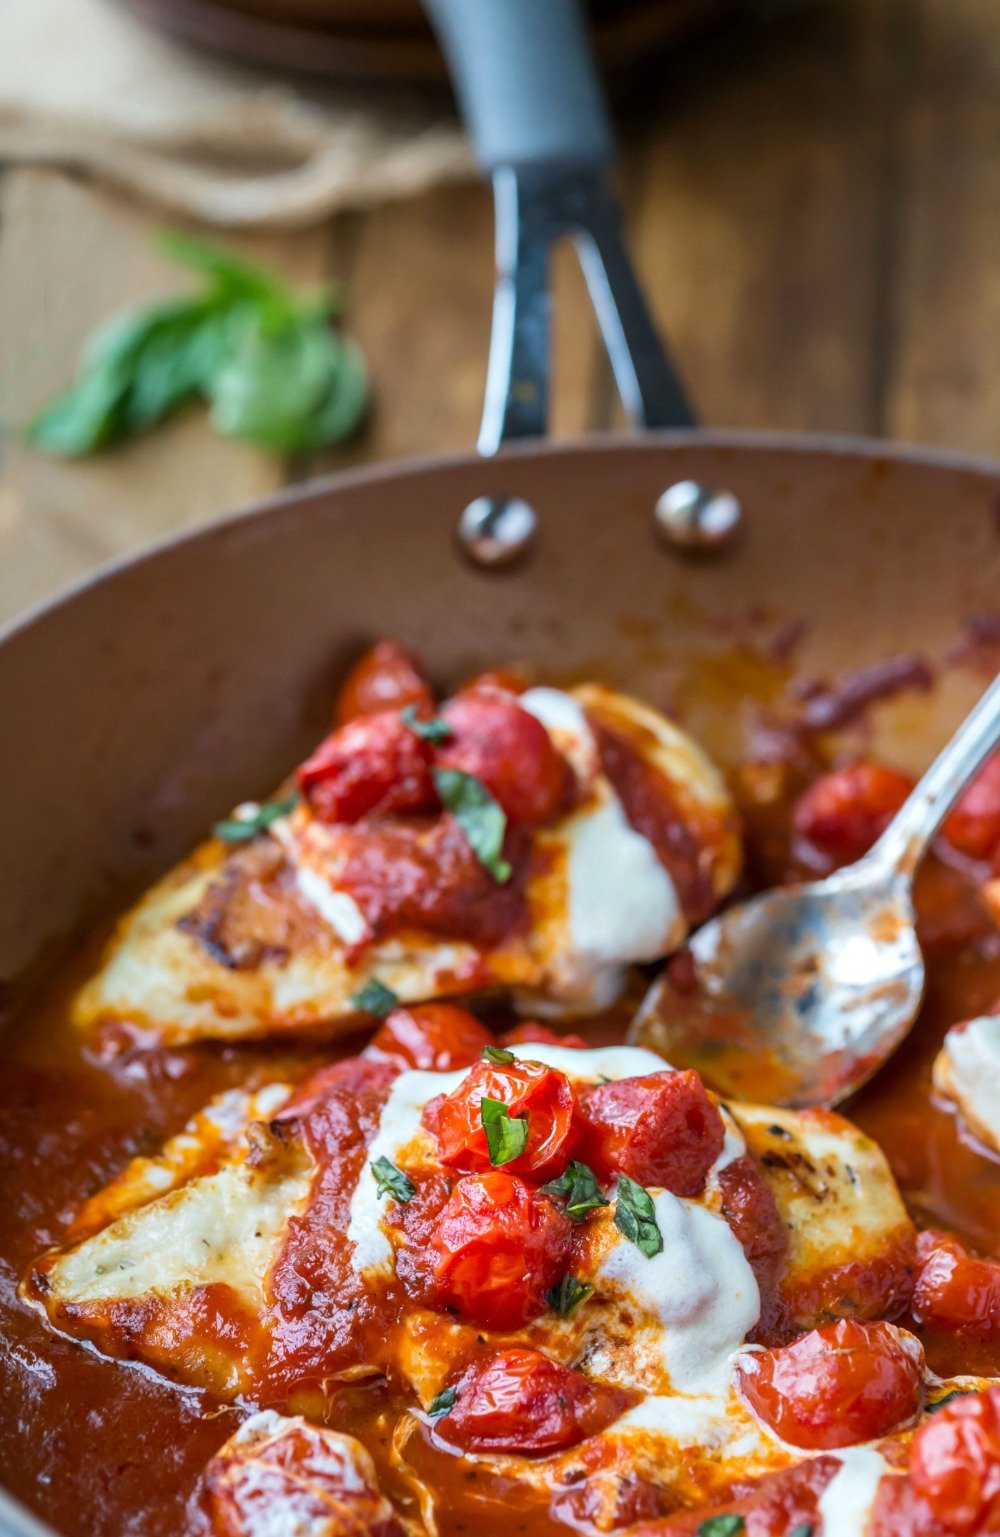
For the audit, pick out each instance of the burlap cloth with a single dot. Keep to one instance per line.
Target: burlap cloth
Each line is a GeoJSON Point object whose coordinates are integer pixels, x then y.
{"type": "Point", "coordinates": [83, 85]}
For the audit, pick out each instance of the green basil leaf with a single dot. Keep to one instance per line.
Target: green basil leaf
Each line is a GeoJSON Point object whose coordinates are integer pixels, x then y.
{"type": "Point", "coordinates": [940, 1402]}
{"type": "Point", "coordinates": [499, 1055]}
{"type": "Point", "coordinates": [565, 1298]}
{"type": "Point", "coordinates": [346, 403]}
{"type": "Point", "coordinates": [235, 278]}
{"type": "Point", "coordinates": [375, 998]}
{"type": "Point", "coordinates": [479, 816]}
{"type": "Point", "coordinates": [240, 829]}
{"type": "Point", "coordinates": [721, 1526]}
{"type": "Point", "coordinates": [444, 1401]}
{"type": "Point", "coordinates": [804, 1529]}
{"type": "Point", "coordinates": [434, 730]}
{"type": "Point", "coordinates": [635, 1218]}
{"type": "Point", "coordinates": [577, 1189]}
{"type": "Point", "coordinates": [272, 382]}
{"type": "Point", "coordinates": [506, 1134]}
{"type": "Point", "coordinates": [392, 1181]}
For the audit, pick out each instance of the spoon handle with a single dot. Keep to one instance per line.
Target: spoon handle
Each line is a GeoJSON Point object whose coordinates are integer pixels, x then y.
{"type": "Point", "coordinates": [904, 841]}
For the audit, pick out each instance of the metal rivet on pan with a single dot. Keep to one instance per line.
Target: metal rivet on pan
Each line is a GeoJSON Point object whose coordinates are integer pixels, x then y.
{"type": "Point", "coordinates": [690, 516]}
{"type": "Point", "coordinates": [496, 530]}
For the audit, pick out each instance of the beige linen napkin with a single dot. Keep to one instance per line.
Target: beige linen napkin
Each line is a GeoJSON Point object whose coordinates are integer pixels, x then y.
{"type": "Point", "coordinates": [86, 86]}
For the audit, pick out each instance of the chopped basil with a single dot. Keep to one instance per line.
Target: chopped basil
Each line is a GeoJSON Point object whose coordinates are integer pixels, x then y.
{"type": "Point", "coordinates": [635, 1217]}
{"type": "Point", "coordinates": [444, 1401]}
{"type": "Point", "coordinates": [940, 1402]}
{"type": "Point", "coordinates": [434, 730]}
{"type": "Point", "coordinates": [240, 829]}
{"type": "Point", "coordinates": [578, 1190]}
{"type": "Point", "coordinates": [722, 1526]}
{"type": "Point", "coordinates": [480, 817]}
{"type": "Point", "coordinates": [498, 1055]}
{"type": "Point", "coordinates": [804, 1529]}
{"type": "Point", "coordinates": [392, 1181]}
{"type": "Point", "coordinates": [565, 1298]}
{"type": "Point", "coordinates": [506, 1134]}
{"type": "Point", "coordinates": [375, 998]}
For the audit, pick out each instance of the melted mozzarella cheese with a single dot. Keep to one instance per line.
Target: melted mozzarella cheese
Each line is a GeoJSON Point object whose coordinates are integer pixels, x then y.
{"type": "Point", "coordinates": [848, 1500]}
{"type": "Point", "coordinates": [700, 1290]}
{"type": "Point", "coordinates": [967, 1070]}
{"type": "Point", "coordinates": [336, 908]}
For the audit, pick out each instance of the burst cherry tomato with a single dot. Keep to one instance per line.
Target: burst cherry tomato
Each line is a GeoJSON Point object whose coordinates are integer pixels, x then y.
{"type": "Point", "coordinates": [438, 1037]}
{"type": "Point", "coordinates": [386, 678]}
{"type": "Point", "coordinates": [521, 1401]}
{"type": "Point", "coordinates": [372, 765]}
{"type": "Point", "coordinates": [660, 1130]}
{"type": "Point", "coordinates": [509, 751]}
{"type": "Point", "coordinates": [973, 827]}
{"type": "Point", "coordinates": [533, 1034]}
{"type": "Point", "coordinates": [527, 1089]}
{"type": "Point", "coordinates": [843, 813]}
{"type": "Point", "coordinates": [955, 1463]}
{"type": "Point", "coordinates": [954, 1290]}
{"type": "Point", "coordinates": [498, 1247]}
{"type": "Point", "coordinates": [846, 1382]}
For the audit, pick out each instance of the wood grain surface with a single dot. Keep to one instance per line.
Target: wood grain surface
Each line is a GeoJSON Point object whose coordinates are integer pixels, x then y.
{"type": "Point", "coordinates": [813, 208]}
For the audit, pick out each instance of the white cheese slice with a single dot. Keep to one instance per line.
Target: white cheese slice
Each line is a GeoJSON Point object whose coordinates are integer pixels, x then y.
{"type": "Point", "coordinates": [967, 1071]}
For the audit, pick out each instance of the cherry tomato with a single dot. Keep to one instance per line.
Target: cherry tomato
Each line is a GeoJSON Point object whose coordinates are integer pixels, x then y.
{"type": "Point", "coordinates": [542, 1094]}
{"type": "Point", "coordinates": [386, 678]}
{"type": "Point", "coordinates": [955, 1463]}
{"type": "Point", "coordinates": [438, 1037]}
{"type": "Point", "coordinates": [509, 751]}
{"type": "Point", "coordinates": [498, 1247]}
{"type": "Point", "coordinates": [660, 1130]}
{"type": "Point", "coordinates": [533, 1034]}
{"type": "Point", "coordinates": [749, 1207]}
{"type": "Point", "coordinates": [973, 827]}
{"type": "Point", "coordinates": [375, 765]}
{"type": "Point", "coordinates": [847, 1382]}
{"type": "Point", "coordinates": [954, 1290]}
{"type": "Point", "coordinates": [521, 1401]}
{"type": "Point", "coordinates": [843, 813]}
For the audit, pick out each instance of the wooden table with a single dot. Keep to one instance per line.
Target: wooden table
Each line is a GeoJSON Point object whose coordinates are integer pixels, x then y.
{"type": "Point", "coordinates": [815, 213]}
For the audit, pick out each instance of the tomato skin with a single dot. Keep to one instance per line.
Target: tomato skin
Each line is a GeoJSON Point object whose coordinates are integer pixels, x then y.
{"type": "Point", "coordinates": [973, 826]}
{"type": "Point", "coordinates": [531, 1033]}
{"type": "Point", "coordinates": [498, 1247]}
{"type": "Point", "coordinates": [953, 1289]}
{"type": "Point", "coordinates": [375, 765]}
{"type": "Point", "coordinates": [436, 1037]}
{"type": "Point", "coordinates": [843, 813]}
{"type": "Point", "coordinates": [844, 1383]}
{"type": "Point", "coordinates": [521, 1401]}
{"type": "Point", "coordinates": [544, 1095]}
{"type": "Point", "coordinates": [955, 1463]}
{"type": "Point", "coordinates": [510, 751]}
{"type": "Point", "coordinates": [661, 1129]}
{"type": "Point", "coordinates": [386, 678]}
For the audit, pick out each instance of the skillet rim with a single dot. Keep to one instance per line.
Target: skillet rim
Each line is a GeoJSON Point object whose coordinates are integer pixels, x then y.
{"type": "Point", "coordinates": [846, 445]}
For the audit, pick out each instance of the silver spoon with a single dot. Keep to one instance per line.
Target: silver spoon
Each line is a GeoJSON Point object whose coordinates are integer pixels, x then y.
{"type": "Point", "coordinates": [797, 996]}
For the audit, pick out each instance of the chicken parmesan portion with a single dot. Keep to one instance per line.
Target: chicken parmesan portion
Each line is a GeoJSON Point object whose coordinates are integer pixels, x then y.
{"type": "Point", "coordinates": [535, 842]}
{"type": "Point", "coordinates": [574, 1267]}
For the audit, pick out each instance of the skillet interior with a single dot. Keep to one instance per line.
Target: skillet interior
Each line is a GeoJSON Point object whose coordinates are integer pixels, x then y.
{"type": "Point", "coordinates": [151, 699]}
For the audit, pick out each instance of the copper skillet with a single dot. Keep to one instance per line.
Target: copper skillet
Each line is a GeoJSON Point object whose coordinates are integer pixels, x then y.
{"type": "Point", "coordinates": [139, 706]}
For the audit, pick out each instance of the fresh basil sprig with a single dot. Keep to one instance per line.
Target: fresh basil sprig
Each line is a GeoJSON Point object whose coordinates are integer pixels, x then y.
{"type": "Point", "coordinates": [265, 357]}
{"type": "Point", "coordinates": [499, 1055]}
{"type": "Point", "coordinates": [434, 730]}
{"type": "Point", "coordinates": [444, 1401]}
{"type": "Point", "coordinates": [240, 829]}
{"type": "Point", "coordinates": [722, 1526]}
{"type": "Point", "coordinates": [635, 1218]}
{"type": "Point", "coordinates": [392, 1181]}
{"type": "Point", "coordinates": [374, 998]}
{"type": "Point", "coordinates": [565, 1298]}
{"type": "Point", "coordinates": [506, 1134]}
{"type": "Point", "coordinates": [480, 817]}
{"type": "Point", "coordinates": [577, 1189]}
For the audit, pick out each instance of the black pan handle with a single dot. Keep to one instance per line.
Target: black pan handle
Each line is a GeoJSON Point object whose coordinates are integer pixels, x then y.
{"type": "Point", "coordinates": [526, 82]}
